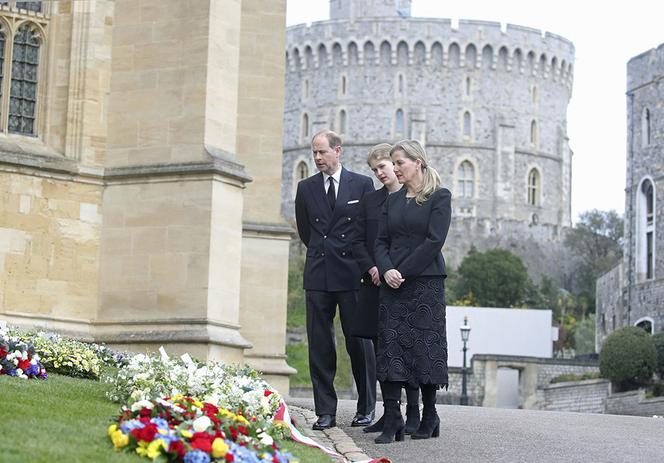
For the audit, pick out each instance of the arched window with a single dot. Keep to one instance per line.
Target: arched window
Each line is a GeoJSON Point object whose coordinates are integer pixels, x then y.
{"type": "Point", "coordinates": [465, 180]}
{"type": "Point", "coordinates": [645, 324]}
{"type": "Point", "coordinates": [30, 6]}
{"type": "Point", "coordinates": [646, 230]}
{"type": "Point", "coordinates": [645, 127]}
{"type": "Point", "coordinates": [305, 127]}
{"type": "Point", "coordinates": [534, 135]}
{"type": "Point", "coordinates": [398, 122]}
{"type": "Point", "coordinates": [533, 187]}
{"type": "Point", "coordinates": [302, 171]}
{"type": "Point", "coordinates": [23, 91]}
{"type": "Point", "coordinates": [343, 124]}
{"type": "Point", "coordinates": [467, 124]}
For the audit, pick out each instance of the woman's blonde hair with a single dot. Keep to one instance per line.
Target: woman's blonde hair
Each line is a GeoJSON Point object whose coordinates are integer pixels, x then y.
{"type": "Point", "coordinates": [431, 180]}
{"type": "Point", "coordinates": [378, 152]}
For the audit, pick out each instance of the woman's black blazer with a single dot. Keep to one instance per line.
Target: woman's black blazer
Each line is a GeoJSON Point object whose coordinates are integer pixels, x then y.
{"type": "Point", "coordinates": [411, 236]}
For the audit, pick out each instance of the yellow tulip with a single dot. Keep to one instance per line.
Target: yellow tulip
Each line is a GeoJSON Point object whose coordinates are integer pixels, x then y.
{"type": "Point", "coordinates": [219, 448]}
{"type": "Point", "coordinates": [112, 428]}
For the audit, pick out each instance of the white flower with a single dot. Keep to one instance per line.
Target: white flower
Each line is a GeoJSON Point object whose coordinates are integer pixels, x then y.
{"type": "Point", "coordinates": [266, 439]}
{"type": "Point", "coordinates": [202, 423]}
{"type": "Point", "coordinates": [141, 404]}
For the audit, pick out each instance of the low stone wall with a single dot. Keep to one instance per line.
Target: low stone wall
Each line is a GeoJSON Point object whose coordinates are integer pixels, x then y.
{"type": "Point", "coordinates": [587, 396]}
{"type": "Point", "coordinates": [634, 403]}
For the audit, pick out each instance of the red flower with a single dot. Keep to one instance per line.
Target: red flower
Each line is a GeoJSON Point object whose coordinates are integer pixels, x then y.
{"type": "Point", "coordinates": [267, 393]}
{"type": "Point", "coordinates": [23, 364]}
{"type": "Point", "coordinates": [146, 434]}
{"type": "Point", "coordinates": [3, 353]}
{"type": "Point", "coordinates": [243, 430]}
{"type": "Point", "coordinates": [202, 441]}
{"type": "Point", "coordinates": [145, 412]}
{"type": "Point", "coordinates": [229, 457]}
{"type": "Point", "coordinates": [210, 410]}
{"type": "Point", "coordinates": [176, 446]}
{"type": "Point", "coordinates": [233, 433]}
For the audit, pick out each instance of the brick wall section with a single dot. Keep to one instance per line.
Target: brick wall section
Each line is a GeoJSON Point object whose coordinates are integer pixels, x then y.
{"type": "Point", "coordinates": [634, 403]}
{"type": "Point", "coordinates": [587, 396]}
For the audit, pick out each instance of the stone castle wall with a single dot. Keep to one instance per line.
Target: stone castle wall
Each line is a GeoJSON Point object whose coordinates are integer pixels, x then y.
{"type": "Point", "coordinates": [384, 79]}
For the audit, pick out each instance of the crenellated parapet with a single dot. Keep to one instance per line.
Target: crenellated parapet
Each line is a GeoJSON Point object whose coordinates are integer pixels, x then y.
{"type": "Point", "coordinates": [432, 42]}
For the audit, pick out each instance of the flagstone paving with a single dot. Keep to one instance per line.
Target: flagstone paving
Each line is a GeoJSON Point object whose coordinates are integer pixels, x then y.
{"type": "Point", "coordinates": [476, 434]}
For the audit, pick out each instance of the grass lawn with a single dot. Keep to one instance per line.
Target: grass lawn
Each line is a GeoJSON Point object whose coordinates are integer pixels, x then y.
{"type": "Point", "coordinates": [65, 419]}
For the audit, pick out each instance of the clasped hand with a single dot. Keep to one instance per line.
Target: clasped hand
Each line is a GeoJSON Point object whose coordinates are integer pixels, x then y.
{"type": "Point", "coordinates": [393, 278]}
{"type": "Point", "coordinates": [375, 275]}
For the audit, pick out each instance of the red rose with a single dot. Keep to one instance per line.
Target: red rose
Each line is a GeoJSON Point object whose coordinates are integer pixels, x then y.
{"type": "Point", "coordinates": [233, 433]}
{"type": "Point", "coordinates": [229, 457]}
{"type": "Point", "coordinates": [210, 410]}
{"type": "Point", "coordinates": [243, 430]}
{"type": "Point", "coordinates": [145, 412]}
{"type": "Point", "coordinates": [176, 446]}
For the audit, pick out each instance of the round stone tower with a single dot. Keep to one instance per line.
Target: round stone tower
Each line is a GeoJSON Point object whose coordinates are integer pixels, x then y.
{"type": "Point", "coordinates": [488, 102]}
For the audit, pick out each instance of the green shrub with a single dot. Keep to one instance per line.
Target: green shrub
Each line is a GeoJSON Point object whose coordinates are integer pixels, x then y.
{"type": "Point", "coordinates": [628, 358]}
{"type": "Point", "coordinates": [572, 377]}
{"type": "Point", "coordinates": [657, 389]}
{"type": "Point", "coordinates": [658, 339]}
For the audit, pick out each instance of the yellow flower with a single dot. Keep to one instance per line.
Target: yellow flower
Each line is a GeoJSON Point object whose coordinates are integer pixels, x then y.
{"type": "Point", "coordinates": [119, 439]}
{"type": "Point", "coordinates": [154, 449]}
{"type": "Point", "coordinates": [142, 448]}
{"type": "Point", "coordinates": [219, 448]}
{"type": "Point", "coordinates": [186, 433]}
{"type": "Point", "coordinates": [112, 428]}
{"type": "Point", "coordinates": [241, 419]}
{"type": "Point", "coordinates": [197, 404]}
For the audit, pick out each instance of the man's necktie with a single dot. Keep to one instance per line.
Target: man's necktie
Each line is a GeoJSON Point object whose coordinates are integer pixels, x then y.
{"type": "Point", "coordinates": [331, 197]}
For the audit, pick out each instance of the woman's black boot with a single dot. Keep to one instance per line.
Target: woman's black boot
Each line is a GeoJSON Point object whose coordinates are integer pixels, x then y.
{"type": "Point", "coordinates": [412, 409]}
{"type": "Point", "coordinates": [430, 424]}
{"type": "Point", "coordinates": [393, 425]}
{"type": "Point", "coordinates": [377, 426]}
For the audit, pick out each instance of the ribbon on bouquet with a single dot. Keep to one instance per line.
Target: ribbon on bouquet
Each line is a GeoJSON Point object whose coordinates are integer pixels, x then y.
{"type": "Point", "coordinates": [283, 416]}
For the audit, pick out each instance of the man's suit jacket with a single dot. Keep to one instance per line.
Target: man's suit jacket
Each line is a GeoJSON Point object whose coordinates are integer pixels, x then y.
{"type": "Point", "coordinates": [328, 235]}
{"type": "Point", "coordinates": [411, 236]}
{"type": "Point", "coordinates": [367, 229]}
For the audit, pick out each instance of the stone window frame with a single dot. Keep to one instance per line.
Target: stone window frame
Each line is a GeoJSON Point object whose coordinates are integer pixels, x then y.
{"type": "Point", "coordinates": [534, 134]}
{"type": "Point", "coordinates": [534, 188]}
{"type": "Point", "coordinates": [395, 124]}
{"type": "Point", "coordinates": [467, 90]}
{"type": "Point", "coordinates": [646, 230]}
{"type": "Point", "coordinates": [341, 122]}
{"type": "Point", "coordinates": [305, 127]}
{"type": "Point", "coordinates": [343, 85]}
{"type": "Point", "coordinates": [461, 192]}
{"type": "Point", "coordinates": [467, 135]}
{"type": "Point", "coordinates": [305, 89]}
{"type": "Point", "coordinates": [11, 21]}
{"type": "Point", "coordinates": [646, 127]}
{"type": "Point", "coordinates": [299, 162]}
{"type": "Point", "coordinates": [400, 85]}
{"type": "Point", "coordinates": [534, 95]}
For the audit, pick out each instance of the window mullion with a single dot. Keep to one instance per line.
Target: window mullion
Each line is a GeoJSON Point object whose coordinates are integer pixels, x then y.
{"type": "Point", "coordinates": [7, 81]}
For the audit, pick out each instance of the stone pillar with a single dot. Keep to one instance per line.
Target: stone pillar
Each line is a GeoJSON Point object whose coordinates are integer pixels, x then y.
{"type": "Point", "coordinates": [504, 168]}
{"type": "Point", "coordinates": [266, 237]}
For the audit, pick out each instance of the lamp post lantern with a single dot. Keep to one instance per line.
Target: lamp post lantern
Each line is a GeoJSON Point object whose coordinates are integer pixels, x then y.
{"type": "Point", "coordinates": [465, 334]}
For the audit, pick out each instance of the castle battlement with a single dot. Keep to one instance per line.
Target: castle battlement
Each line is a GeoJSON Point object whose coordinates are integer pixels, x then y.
{"type": "Point", "coordinates": [645, 68]}
{"type": "Point", "coordinates": [471, 44]}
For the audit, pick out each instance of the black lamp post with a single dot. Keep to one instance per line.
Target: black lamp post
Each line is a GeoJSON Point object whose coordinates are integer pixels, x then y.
{"type": "Point", "coordinates": [465, 334]}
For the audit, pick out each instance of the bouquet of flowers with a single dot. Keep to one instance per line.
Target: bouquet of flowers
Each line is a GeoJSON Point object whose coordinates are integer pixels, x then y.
{"type": "Point", "coordinates": [240, 389]}
{"type": "Point", "coordinates": [18, 358]}
{"type": "Point", "coordinates": [68, 356]}
{"type": "Point", "coordinates": [183, 429]}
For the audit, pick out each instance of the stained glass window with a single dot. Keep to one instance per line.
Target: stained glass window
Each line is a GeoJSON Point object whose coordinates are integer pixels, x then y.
{"type": "Point", "coordinates": [23, 92]}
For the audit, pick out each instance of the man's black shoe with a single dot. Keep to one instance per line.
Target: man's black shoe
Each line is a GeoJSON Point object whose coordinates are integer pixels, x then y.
{"type": "Point", "coordinates": [324, 422]}
{"type": "Point", "coordinates": [362, 420]}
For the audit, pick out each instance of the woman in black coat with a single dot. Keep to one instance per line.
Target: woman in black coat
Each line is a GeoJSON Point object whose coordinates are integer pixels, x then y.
{"type": "Point", "coordinates": [412, 340]}
{"type": "Point", "coordinates": [365, 324]}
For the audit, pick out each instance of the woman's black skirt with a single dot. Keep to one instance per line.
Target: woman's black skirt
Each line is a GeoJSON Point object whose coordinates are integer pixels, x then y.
{"type": "Point", "coordinates": [412, 340]}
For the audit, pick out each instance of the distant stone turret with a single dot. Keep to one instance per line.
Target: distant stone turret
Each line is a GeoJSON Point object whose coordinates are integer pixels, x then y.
{"type": "Point", "coordinates": [351, 9]}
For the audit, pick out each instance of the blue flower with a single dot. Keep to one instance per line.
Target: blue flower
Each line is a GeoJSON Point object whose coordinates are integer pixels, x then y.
{"type": "Point", "coordinates": [196, 456]}
{"type": "Point", "coordinates": [127, 426]}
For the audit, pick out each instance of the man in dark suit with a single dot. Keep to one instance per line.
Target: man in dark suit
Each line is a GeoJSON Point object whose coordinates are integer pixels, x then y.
{"type": "Point", "coordinates": [326, 206]}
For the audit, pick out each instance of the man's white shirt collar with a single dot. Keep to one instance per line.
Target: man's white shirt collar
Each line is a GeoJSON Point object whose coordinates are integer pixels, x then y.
{"type": "Point", "coordinates": [336, 176]}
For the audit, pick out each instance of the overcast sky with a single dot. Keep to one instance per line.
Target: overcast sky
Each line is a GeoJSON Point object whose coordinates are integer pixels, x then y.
{"type": "Point", "coordinates": [605, 36]}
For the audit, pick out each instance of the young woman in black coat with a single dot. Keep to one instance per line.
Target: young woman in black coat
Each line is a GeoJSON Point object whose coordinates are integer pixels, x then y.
{"type": "Point", "coordinates": [412, 340]}
{"type": "Point", "coordinates": [366, 321]}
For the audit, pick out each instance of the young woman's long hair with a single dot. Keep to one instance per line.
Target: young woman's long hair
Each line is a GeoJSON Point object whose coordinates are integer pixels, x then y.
{"type": "Point", "coordinates": [431, 180]}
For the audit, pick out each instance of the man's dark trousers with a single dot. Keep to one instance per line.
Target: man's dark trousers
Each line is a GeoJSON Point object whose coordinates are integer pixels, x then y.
{"type": "Point", "coordinates": [321, 308]}
{"type": "Point", "coordinates": [331, 278]}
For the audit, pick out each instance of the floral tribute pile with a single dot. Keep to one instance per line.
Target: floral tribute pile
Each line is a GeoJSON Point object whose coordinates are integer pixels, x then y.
{"type": "Point", "coordinates": [19, 359]}
{"type": "Point", "coordinates": [183, 429]}
{"type": "Point", "coordinates": [68, 356]}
